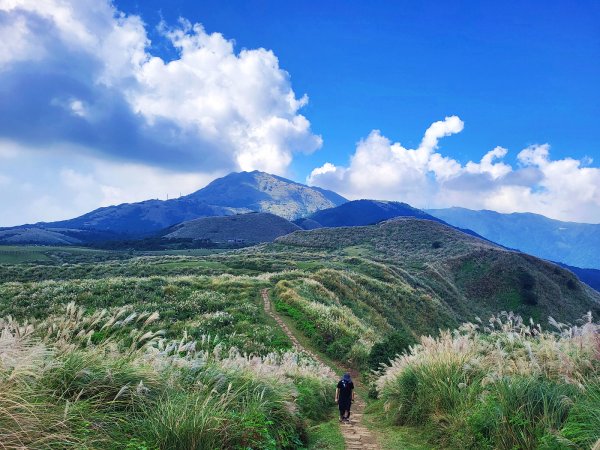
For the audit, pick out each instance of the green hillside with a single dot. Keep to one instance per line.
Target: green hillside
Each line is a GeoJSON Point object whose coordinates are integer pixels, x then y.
{"type": "Point", "coordinates": [466, 276]}
{"type": "Point", "coordinates": [356, 296]}
{"type": "Point", "coordinates": [251, 228]}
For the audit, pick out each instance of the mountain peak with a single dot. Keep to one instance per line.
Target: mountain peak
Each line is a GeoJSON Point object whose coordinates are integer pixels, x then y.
{"type": "Point", "coordinates": [237, 192]}
{"type": "Point", "coordinates": [264, 192]}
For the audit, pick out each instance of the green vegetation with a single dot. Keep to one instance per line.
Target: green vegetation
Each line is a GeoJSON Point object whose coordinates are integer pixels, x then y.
{"type": "Point", "coordinates": [504, 385]}
{"type": "Point", "coordinates": [359, 296]}
{"type": "Point", "coordinates": [27, 254]}
{"type": "Point", "coordinates": [326, 436]}
{"type": "Point", "coordinates": [110, 379]}
{"type": "Point", "coordinates": [392, 345]}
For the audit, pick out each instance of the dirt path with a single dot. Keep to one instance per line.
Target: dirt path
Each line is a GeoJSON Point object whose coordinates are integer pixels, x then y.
{"type": "Point", "coordinates": [356, 435]}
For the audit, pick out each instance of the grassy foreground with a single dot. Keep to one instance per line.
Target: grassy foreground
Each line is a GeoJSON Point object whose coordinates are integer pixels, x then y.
{"type": "Point", "coordinates": [110, 379]}
{"type": "Point", "coordinates": [212, 370]}
{"type": "Point", "coordinates": [500, 385]}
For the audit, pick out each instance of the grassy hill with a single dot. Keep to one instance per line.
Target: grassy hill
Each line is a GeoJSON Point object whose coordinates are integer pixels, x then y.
{"type": "Point", "coordinates": [240, 228]}
{"type": "Point", "coordinates": [358, 295]}
{"type": "Point", "coordinates": [417, 276]}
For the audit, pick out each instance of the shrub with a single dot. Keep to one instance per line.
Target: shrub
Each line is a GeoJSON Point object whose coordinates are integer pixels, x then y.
{"type": "Point", "coordinates": [392, 345]}
{"type": "Point", "coordinates": [521, 413]}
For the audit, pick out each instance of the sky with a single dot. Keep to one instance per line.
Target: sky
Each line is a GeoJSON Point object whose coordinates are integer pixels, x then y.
{"type": "Point", "coordinates": [485, 105]}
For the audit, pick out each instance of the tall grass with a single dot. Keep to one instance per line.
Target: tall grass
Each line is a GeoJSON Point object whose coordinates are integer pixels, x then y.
{"type": "Point", "coordinates": [504, 384]}
{"type": "Point", "coordinates": [134, 388]}
{"type": "Point", "coordinates": [332, 327]}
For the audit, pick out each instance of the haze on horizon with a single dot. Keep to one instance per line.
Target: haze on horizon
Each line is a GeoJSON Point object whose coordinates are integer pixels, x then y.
{"type": "Point", "coordinates": [108, 102]}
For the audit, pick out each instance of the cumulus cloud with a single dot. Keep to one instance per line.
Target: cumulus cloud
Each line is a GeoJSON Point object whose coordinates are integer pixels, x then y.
{"type": "Point", "coordinates": [80, 72]}
{"type": "Point", "coordinates": [566, 189]}
{"type": "Point", "coordinates": [90, 116]}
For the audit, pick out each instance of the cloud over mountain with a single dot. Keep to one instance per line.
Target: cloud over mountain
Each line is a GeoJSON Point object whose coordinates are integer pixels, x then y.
{"type": "Point", "coordinates": [78, 80]}
{"type": "Point", "coordinates": [566, 189]}
{"type": "Point", "coordinates": [81, 73]}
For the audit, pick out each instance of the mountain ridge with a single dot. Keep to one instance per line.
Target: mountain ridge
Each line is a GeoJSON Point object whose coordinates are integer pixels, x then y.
{"type": "Point", "coordinates": [237, 192]}
{"type": "Point", "coordinates": [250, 228]}
{"type": "Point", "coordinates": [468, 275]}
{"type": "Point", "coordinates": [365, 212]}
{"type": "Point", "coordinates": [571, 243]}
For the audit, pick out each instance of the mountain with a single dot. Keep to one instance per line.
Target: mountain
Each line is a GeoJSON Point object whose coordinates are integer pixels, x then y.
{"type": "Point", "coordinates": [235, 193]}
{"type": "Point", "coordinates": [263, 192]}
{"type": "Point", "coordinates": [591, 277]}
{"type": "Point", "coordinates": [143, 218]}
{"type": "Point", "coordinates": [435, 273]}
{"type": "Point", "coordinates": [248, 228]}
{"type": "Point", "coordinates": [366, 212]}
{"type": "Point", "coordinates": [575, 244]}
{"type": "Point", "coordinates": [361, 212]}
{"type": "Point", "coordinates": [36, 235]}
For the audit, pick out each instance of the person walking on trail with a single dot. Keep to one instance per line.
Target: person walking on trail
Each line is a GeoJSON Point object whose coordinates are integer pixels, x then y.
{"type": "Point", "coordinates": [344, 396]}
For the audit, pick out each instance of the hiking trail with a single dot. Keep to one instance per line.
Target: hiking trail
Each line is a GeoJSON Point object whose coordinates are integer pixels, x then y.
{"type": "Point", "coordinates": [356, 435]}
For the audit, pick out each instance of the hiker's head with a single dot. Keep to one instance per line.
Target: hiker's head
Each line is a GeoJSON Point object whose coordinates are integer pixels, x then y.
{"type": "Point", "coordinates": [346, 377]}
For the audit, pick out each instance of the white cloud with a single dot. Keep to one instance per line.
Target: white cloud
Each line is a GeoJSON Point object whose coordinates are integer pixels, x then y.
{"type": "Point", "coordinates": [90, 117]}
{"type": "Point", "coordinates": [565, 189]}
{"type": "Point", "coordinates": [82, 70]}
{"type": "Point", "coordinates": [385, 170]}
{"type": "Point", "coordinates": [54, 189]}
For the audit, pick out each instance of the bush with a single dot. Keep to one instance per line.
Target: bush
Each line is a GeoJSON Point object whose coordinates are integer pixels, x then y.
{"type": "Point", "coordinates": [521, 413]}
{"type": "Point", "coordinates": [392, 345]}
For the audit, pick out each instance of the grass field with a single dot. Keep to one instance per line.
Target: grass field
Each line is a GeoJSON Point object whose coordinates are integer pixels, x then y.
{"type": "Point", "coordinates": [358, 297]}
{"type": "Point", "coordinates": [25, 254]}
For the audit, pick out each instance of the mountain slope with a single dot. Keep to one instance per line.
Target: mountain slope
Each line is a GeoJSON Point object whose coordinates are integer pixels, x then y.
{"type": "Point", "coordinates": [575, 244]}
{"type": "Point", "coordinates": [242, 228]}
{"type": "Point", "coordinates": [232, 194]}
{"type": "Point", "coordinates": [361, 212]}
{"type": "Point", "coordinates": [263, 192]}
{"type": "Point", "coordinates": [36, 235]}
{"type": "Point", "coordinates": [458, 276]}
{"type": "Point", "coordinates": [591, 277]}
{"type": "Point", "coordinates": [143, 218]}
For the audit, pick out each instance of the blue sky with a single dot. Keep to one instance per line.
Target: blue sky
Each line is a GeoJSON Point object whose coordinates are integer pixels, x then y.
{"type": "Point", "coordinates": [516, 72]}
{"type": "Point", "coordinates": [485, 105]}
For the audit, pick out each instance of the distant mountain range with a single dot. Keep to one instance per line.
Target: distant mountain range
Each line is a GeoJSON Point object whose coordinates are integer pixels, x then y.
{"type": "Point", "coordinates": [575, 244]}
{"type": "Point", "coordinates": [235, 193]}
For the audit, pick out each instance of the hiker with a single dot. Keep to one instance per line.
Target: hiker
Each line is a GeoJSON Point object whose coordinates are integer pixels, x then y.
{"type": "Point", "coordinates": [344, 396]}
